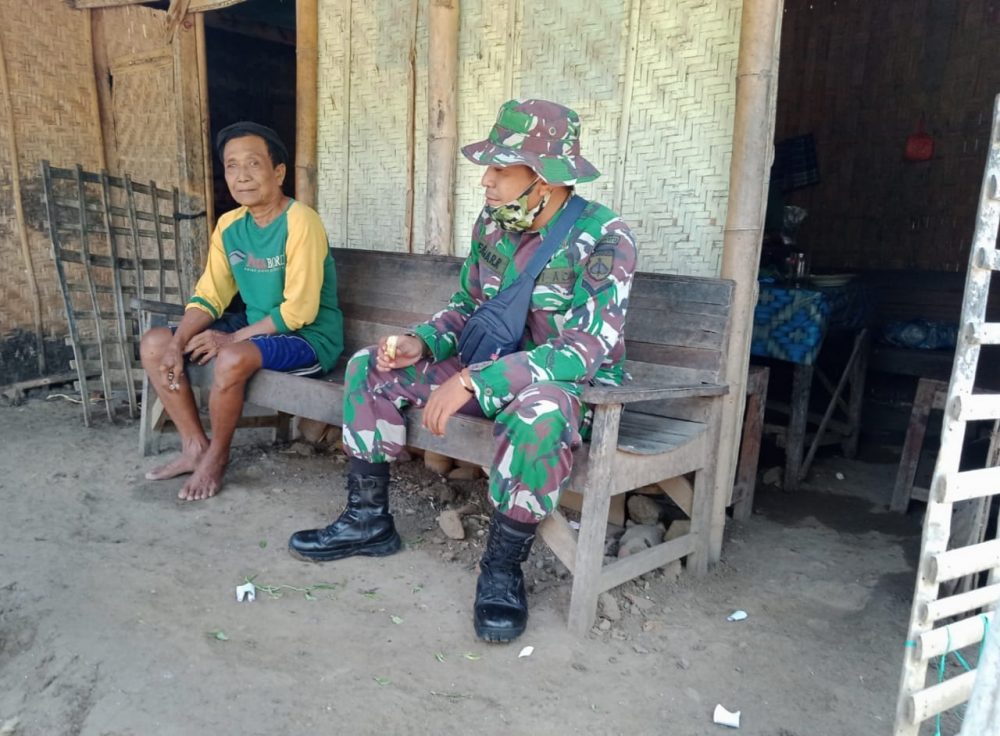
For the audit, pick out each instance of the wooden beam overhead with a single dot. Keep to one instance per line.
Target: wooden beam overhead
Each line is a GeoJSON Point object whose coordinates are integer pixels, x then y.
{"type": "Point", "coordinates": [253, 29]}
{"type": "Point", "coordinates": [196, 6]}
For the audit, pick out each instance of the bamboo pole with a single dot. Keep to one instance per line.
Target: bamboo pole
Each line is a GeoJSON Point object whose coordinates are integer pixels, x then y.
{"type": "Point", "coordinates": [22, 229]}
{"type": "Point", "coordinates": [201, 51]}
{"type": "Point", "coordinates": [306, 98]}
{"type": "Point", "coordinates": [442, 124]}
{"type": "Point", "coordinates": [635, 13]}
{"type": "Point", "coordinates": [753, 133]}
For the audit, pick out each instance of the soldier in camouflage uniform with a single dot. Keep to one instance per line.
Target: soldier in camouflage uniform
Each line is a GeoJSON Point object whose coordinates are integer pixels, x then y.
{"type": "Point", "coordinates": [573, 336]}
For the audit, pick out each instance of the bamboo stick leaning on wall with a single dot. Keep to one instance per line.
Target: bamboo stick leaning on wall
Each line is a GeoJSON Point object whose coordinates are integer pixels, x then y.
{"type": "Point", "coordinates": [442, 124]}
{"type": "Point", "coordinates": [10, 133]}
{"type": "Point", "coordinates": [753, 150]}
{"type": "Point", "coordinates": [208, 154]}
{"type": "Point", "coordinates": [306, 103]}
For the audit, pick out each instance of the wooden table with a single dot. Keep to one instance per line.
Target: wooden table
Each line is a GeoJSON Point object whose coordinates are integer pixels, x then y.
{"type": "Point", "coordinates": [791, 325]}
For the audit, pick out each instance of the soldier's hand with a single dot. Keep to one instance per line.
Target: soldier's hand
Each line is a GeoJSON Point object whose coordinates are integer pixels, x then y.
{"type": "Point", "coordinates": [444, 401]}
{"type": "Point", "coordinates": [409, 350]}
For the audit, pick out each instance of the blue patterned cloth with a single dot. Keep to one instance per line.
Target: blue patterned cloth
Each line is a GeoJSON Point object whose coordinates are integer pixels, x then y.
{"type": "Point", "coordinates": [790, 323]}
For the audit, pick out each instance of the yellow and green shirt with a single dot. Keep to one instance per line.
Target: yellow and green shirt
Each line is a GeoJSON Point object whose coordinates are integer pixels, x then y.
{"type": "Point", "coordinates": [283, 270]}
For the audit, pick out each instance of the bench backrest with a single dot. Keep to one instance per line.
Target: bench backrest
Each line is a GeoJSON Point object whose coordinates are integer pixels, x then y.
{"type": "Point", "coordinates": [677, 328]}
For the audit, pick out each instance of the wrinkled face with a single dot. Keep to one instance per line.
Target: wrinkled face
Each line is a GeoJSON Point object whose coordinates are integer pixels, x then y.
{"type": "Point", "coordinates": [506, 184]}
{"type": "Point", "coordinates": [252, 177]}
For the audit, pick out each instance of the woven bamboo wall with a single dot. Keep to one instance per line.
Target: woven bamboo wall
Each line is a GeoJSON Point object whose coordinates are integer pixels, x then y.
{"type": "Point", "coordinates": [672, 159]}
{"type": "Point", "coordinates": [859, 75]}
{"type": "Point", "coordinates": [141, 64]}
{"type": "Point", "coordinates": [55, 117]}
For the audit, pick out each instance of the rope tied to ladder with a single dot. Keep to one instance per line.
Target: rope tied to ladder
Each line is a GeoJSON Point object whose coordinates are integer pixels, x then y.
{"type": "Point", "coordinates": [942, 662]}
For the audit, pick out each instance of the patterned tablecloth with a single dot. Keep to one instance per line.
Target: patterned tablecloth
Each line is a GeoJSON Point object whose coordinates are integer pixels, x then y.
{"type": "Point", "coordinates": [790, 323]}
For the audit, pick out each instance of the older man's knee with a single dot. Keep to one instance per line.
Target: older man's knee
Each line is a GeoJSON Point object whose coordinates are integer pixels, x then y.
{"type": "Point", "coordinates": [154, 342]}
{"type": "Point", "coordinates": [234, 364]}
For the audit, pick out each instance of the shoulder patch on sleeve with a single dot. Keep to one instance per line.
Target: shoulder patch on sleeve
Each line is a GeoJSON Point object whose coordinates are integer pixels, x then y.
{"type": "Point", "coordinates": [602, 260]}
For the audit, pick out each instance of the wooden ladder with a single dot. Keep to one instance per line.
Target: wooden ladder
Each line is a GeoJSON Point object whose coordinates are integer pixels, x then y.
{"type": "Point", "coordinates": [928, 636]}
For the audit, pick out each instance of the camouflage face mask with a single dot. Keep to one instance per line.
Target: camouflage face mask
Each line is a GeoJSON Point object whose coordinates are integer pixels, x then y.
{"type": "Point", "coordinates": [514, 216]}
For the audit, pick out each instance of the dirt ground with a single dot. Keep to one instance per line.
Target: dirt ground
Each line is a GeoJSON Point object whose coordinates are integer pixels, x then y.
{"type": "Point", "coordinates": [118, 612]}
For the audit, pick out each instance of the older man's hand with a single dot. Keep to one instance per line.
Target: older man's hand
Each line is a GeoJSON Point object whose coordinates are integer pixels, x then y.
{"type": "Point", "coordinates": [206, 345]}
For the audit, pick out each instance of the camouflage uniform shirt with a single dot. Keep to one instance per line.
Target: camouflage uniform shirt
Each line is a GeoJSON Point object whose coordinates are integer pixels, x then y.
{"type": "Point", "coordinates": [574, 331]}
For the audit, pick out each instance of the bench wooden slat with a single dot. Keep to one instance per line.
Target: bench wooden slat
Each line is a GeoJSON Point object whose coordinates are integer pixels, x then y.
{"type": "Point", "coordinates": [636, 564]}
{"type": "Point", "coordinates": [635, 391]}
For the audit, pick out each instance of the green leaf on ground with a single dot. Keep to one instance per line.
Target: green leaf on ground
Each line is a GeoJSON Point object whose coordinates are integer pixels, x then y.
{"type": "Point", "coordinates": [473, 656]}
{"type": "Point", "coordinates": [220, 635]}
{"type": "Point", "coordinates": [382, 680]}
{"type": "Point", "coordinates": [396, 620]}
{"type": "Point", "coordinates": [262, 544]}
{"type": "Point", "coordinates": [439, 657]}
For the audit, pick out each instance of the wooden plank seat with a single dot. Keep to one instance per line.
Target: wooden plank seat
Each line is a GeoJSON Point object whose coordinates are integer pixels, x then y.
{"type": "Point", "coordinates": [677, 332]}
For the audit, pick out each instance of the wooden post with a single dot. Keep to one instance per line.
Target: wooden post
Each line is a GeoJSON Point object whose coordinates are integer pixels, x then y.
{"type": "Point", "coordinates": [442, 124]}
{"type": "Point", "coordinates": [753, 133]}
{"type": "Point", "coordinates": [306, 100]}
{"type": "Point", "coordinates": [95, 92]}
{"type": "Point", "coordinates": [102, 83]}
{"type": "Point", "coordinates": [22, 229]}
{"type": "Point", "coordinates": [193, 247]}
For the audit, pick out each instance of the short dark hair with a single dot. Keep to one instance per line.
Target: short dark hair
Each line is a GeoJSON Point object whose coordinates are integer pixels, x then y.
{"type": "Point", "coordinates": [275, 146]}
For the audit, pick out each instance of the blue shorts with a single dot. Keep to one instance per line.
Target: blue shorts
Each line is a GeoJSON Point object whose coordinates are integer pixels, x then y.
{"type": "Point", "coordinates": [285, 353]}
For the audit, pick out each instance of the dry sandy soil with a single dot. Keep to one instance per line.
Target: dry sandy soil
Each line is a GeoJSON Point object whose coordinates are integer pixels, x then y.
{"type": "Point", "coordinates": [118, 612]}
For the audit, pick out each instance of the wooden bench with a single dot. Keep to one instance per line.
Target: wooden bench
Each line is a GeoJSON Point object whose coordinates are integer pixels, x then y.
{"type": "Point", "coordinates": [677, 333]}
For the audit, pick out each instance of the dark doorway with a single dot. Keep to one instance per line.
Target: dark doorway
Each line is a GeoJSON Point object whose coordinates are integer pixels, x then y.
{"type": "Point", "coordinates": [251, 76]}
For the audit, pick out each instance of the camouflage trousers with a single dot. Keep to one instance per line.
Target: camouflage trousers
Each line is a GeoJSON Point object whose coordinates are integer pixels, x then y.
{"type": "Point", "coordinates": [534, 435]}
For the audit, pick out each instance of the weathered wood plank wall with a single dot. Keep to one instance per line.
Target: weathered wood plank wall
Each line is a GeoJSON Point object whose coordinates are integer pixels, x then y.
{"type": "Point", "coordinates": [859, 76]}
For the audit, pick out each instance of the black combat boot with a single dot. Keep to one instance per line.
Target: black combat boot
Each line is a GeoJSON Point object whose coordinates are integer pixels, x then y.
{"type": "Point", "coordinates": [364, 528]}
{"type": "Point", "coordinates": [501, 609]}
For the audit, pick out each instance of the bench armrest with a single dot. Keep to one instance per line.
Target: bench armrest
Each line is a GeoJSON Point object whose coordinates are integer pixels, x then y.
{"type": "Point", "coordinates": [151, 305]}
{"type": "Point", "coordinates": [638, 392]}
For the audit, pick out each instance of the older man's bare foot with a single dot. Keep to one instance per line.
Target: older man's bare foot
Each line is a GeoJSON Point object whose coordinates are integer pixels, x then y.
{"type": "Point", "coordinates": [187, 462]}
{"type": "Point", "coordinates": [207, 479]}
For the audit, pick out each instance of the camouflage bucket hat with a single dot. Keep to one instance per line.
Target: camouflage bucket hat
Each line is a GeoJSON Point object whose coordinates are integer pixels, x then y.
{"type": "Point", "coordinates": [536, 133]}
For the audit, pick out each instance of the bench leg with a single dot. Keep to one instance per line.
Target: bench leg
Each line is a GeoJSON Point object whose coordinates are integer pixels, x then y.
{"type": "Point", "coordinates": [594, 519]}
{"type": "Point", "coordinates": [701, 523]}
{"type": "Point", "coordinates": [589, 560]}
{"type": "Point", "coordinates": [282, 428]}
{"type": "Point", "coordinates": [150, 421]}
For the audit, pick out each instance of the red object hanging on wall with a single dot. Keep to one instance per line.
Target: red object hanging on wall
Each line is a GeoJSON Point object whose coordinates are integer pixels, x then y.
{"type": "Point", "coordinates": [919, 145]}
